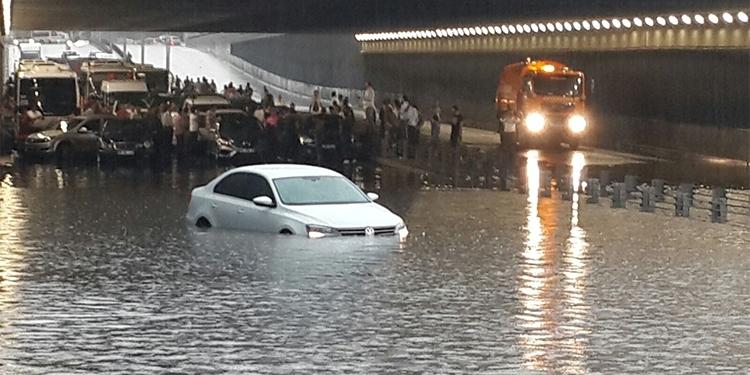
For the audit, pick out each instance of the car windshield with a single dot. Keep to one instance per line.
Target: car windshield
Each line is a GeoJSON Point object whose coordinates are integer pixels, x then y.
{"type": "Point", "coordinates": [238, 127]}
{"type": "Point", "coordinates": [124, 131]}
{"type": "Point", "coordinates": [138, 99]}
{"type": "Point", "coordinates": [557, 85]}
{"type": "Point", "coordinates": [318, 190]}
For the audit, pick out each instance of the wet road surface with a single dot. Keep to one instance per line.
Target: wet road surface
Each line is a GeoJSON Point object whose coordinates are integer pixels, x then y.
{"type": "Point", "coordinates": [100, 274]}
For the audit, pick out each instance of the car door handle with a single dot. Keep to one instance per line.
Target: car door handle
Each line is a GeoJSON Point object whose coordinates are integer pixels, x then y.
{"type": "Point", "coordinates": [241, 211]}
{"type": "Point", "coordinates": [214, 205]}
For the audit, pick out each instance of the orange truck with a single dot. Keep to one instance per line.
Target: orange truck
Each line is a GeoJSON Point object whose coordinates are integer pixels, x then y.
{"type": "Point", "coordinates": [541, 104]}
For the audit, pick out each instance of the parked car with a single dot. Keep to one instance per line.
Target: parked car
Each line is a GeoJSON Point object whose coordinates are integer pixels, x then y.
{"type": "Point", "coordinates": [50, 37]}
{"type": "Point", "coordinates": [66, 138]}
{"type": "Point", "coordinates": [236, 135]}
{"type": "Point", "coordinates": [127, 138]}
{"type": "Point", "coordinates": [291, 199]}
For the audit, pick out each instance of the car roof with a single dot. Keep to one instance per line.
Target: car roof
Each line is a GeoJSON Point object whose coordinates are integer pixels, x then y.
{"type": "Point", "coordinates": [208, 100]}
{"type": "Point", "coordinates": [229, 110]}
{"type": "Point", "coordinates": [274, 171]}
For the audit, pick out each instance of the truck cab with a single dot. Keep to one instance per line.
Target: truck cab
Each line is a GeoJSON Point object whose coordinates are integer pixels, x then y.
{"type": "Point", "coordinates": [94, 72]}
{"type": "Point", "coordinates": [542, 103]}
{"type": "Point", "coordinates": [125, 92]}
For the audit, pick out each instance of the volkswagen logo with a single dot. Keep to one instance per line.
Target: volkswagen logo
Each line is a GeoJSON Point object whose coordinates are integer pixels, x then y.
{"type": "Point", "coordinates": [369, 231]}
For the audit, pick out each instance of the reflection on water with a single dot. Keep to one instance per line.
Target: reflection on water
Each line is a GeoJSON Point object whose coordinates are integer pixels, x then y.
{"type": "Point", "coordinates": [12, 227]}
{"type": "Point", "coordinates": [552, 292]}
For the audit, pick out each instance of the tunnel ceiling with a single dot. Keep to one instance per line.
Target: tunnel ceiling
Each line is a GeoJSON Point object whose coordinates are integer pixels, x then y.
{"type": "Point", "coordinates": [315, 16]}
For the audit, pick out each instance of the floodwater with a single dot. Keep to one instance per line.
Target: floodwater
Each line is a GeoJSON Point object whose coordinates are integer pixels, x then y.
{"type": "Point", "coordinates": [100, 274]}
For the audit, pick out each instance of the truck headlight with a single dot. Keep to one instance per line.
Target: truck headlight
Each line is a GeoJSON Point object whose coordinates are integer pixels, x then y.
{"type": "Point", "coordinates": [320, 231]}
{"type": "Point", "coordinates": [535, 122]}
{"type": "Point", "coordinates": [577, 123]}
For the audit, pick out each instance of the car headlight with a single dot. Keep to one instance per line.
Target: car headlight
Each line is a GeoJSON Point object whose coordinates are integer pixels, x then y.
{"type": "Point", "coordinates": [577, 123]}
{"type": "Point", "coordinates": [305, 140]}
{"type": "Point", "coordinates": [401, 231]}
{"type": "Point", "coordinates": [535, 122]}
{"type": "Point", "coordinates": [223, 142]}
{"type": "Point", "coordinates": [147, 144]}
{"type": "Point", "coordinates": [320, 231]}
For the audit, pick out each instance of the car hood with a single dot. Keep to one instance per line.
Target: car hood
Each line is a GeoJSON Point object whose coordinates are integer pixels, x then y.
{"type": "Point", "coordinates": [345, 216]}
{"type": "Point", "coordinates": [52, 133]}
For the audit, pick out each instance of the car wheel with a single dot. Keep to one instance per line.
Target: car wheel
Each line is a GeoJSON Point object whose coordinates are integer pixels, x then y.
{"type": "Point", "coordinates": [286, 232]}
{"type": "Point", "coordinates": [203, 223]}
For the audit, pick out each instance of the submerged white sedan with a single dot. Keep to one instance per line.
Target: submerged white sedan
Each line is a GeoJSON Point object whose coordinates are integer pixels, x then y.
{"type": "Point", "coordinates": [291, 199]}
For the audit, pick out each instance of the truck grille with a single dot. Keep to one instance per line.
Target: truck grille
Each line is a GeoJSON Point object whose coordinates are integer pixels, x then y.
{"type": "Point", "coordinates": [558, 107]}
{"type": "Point", "coordinates": [379, 231]}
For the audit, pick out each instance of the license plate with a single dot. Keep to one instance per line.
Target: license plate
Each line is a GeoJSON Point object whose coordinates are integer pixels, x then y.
{"type": "Point", "coordinates": [248, 150]}
{"type": "Point", "coordinates": [126, 152]}
{"type": "Point", "coordinates": [509, 127]}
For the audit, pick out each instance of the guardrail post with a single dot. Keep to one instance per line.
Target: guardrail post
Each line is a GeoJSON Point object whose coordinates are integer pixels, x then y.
{"type": "Point", "coordinates": [719, 205]}
{"type": "Point", "coordinates": [658, 185]}
{"type": "Point", "coordinates": [603, 182]}
{"type": "Point", "coordinates": [566, 189]}
{"type": "Point", "coordinates": [682, 203]}
{"type": "Point", "coordinates": [648, 201]}
{"type": "Point", "coordinates": [687, 189]}
{"type": "Point", "coordinates": [619, 195]}
{"type": "Point", "coordinates": [593, 190]}
{"type": "Point", "coordinates": [546, 184]}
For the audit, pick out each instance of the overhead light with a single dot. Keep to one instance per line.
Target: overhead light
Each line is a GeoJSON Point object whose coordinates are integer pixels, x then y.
{"type": "Point", "coordinates": [512, 29]}
{"type": "Point", "coordinates": [498, 30]}
{"type": "Point", "coordinates": [550, 27]}
{"type": "Point", "coordinates": [577, 25]}
{"type": "Point", "coordinates": [661, 21]}
{"type": "Point", "coordinates": [519, 29]}
{"type": "Point", "coordinates": [596, 24]}
{"type": "Point", "coordinates": [558, 26]}
{"type": "Point", "coordinates": [673, 21]}
{"type": "Point", "coordinates": [686, 19]}
{"type": "Point", "coordinates": [616, 23]}
{"type": "Point", "coordinates": [586, 25]}
{"type": "Point", "coordinates": [484, 30]}
{"type": "Point", "coordinates": [542, 27]}
{"type": "Point", "coordinates": [714, 19]}
{"type": "Point", "coordinates": [637, 22]}
{"type": "Point", "coordinates": [605, 24]}
{"type": "Point", "coordinates": [461, 32]}
{"type": "Point", "coordinates": [699, 19]}
{"type": "Point", "coordinates": [742, 17]}
{"type": "Point", "coordinates": [472, 31]}
{"type": "Point", "coordinates": [505, 29]}
{"type": "Point", "coordinates": [648, 21]}
{"type": "Point", "coordinates": [568, 26]}
{"type": "Point", "coordinates": [626, 23]}
{"type": "Point", "coordinates": [491, 30]}
{"type": "Point", "coordinates": [727, 17]}
{"type": "Point", "coordinates": [526, 28]}
{"type": "Point", "coordinates": [534, 28]}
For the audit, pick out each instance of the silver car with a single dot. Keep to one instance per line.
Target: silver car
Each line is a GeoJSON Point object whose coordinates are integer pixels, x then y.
{"type": "Point", "coordinates": [66, 138]}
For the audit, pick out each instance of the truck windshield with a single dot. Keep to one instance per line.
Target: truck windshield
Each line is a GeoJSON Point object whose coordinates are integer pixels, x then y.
{"type": "Point", "coordinates": [557, 85]}
{"type": "Point", "coordinates": [98, 77]}
{"type": "Point", "coordinates": [52, 96]}
{"type": "Point", "coordinates": [138, 99]}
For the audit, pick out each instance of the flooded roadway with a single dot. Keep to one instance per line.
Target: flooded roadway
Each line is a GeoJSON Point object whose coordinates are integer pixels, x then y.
{"type": "Point", "coordinates": [100, 274]}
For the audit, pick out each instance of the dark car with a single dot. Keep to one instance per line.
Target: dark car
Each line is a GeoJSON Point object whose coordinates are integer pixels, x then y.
{"type": "Point", "coordinates": [66, 138]}
{"type": "Point", "coordinates": [127, 138]}
{"type": "Point", "coordinates": [237, 136]}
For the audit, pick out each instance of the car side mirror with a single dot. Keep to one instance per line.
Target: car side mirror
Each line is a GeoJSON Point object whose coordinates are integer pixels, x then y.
{"type": "Point", "coordinates": [373, 196]}
{"type": "Point", "coordinates": [264, 201]}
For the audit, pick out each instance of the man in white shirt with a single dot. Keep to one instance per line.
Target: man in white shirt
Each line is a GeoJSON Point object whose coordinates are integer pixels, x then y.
{"type": "Point", "coordinates": [412, 134]}
{"type": "Point", "coordinates": [194, 125]}
{"type": "Point", "coordinates": [368, 103]}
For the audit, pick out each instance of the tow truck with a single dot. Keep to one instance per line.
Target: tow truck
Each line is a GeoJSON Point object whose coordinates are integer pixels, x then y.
{"type": "Point", "coordinates": [541, 104]}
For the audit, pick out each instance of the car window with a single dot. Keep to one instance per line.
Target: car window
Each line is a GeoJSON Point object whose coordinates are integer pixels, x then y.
{"type": "Point", "coordinates": [244, 186]}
